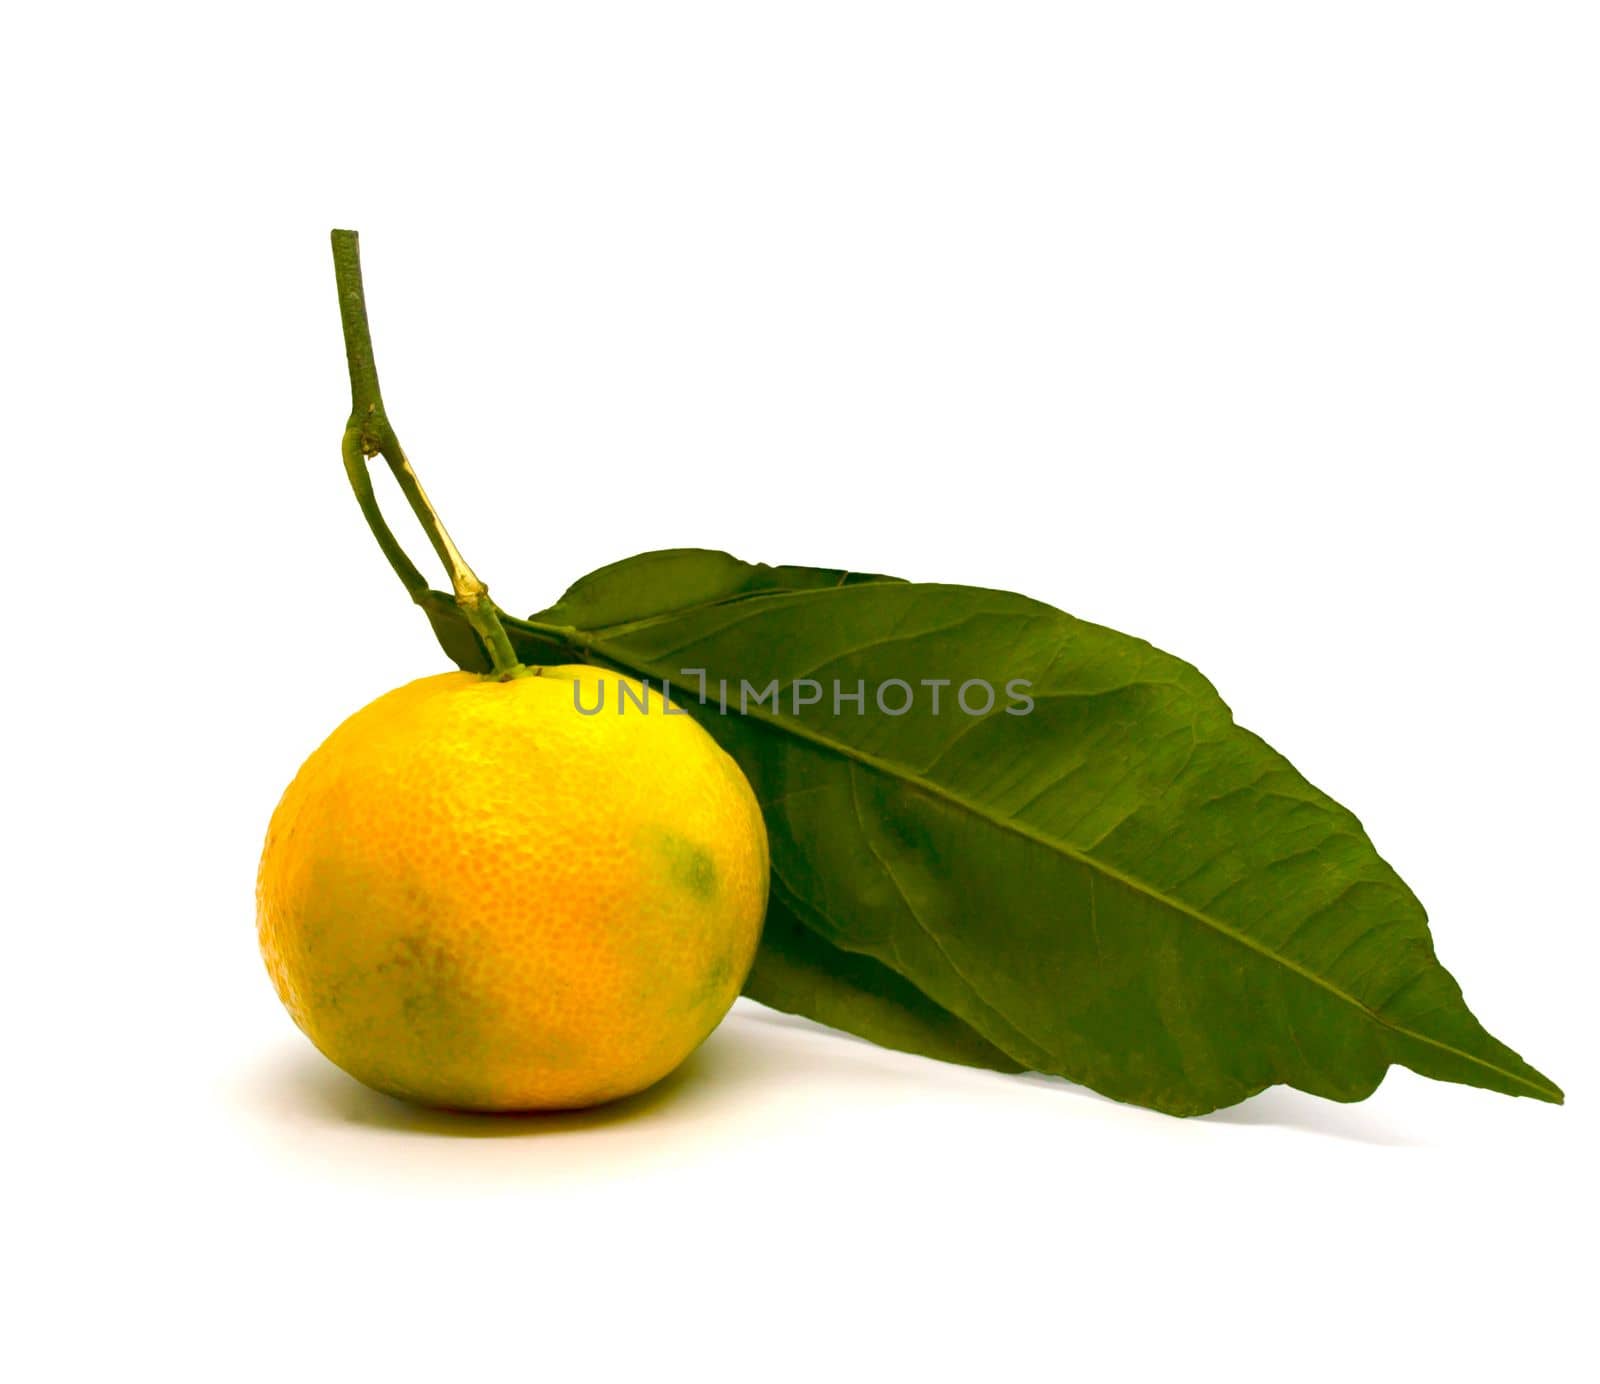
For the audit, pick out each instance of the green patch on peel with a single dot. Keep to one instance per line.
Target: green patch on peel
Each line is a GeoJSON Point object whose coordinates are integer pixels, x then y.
{"type": "Point", "coordinates": [715, 983]}
{"type": "Point", "coordinates": [690, 866]}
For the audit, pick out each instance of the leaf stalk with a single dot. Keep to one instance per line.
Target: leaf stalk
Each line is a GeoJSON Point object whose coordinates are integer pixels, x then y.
{"type": "Point", "coordinates": [368, 434]}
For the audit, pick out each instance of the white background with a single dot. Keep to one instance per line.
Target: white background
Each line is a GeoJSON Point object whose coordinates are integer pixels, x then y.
{"type": "Point", "coordinates": [1267, 332]}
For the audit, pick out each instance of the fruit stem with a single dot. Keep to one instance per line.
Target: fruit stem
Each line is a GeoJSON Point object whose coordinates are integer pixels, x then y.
{"type": "Point", "coordinates": [368, 434]}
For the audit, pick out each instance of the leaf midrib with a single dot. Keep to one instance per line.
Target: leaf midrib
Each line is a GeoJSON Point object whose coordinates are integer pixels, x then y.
{"type": "Point", "coordinates": [593, 643]}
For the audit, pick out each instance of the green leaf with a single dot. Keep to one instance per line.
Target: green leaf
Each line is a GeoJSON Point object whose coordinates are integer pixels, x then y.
{"type": "Point", "coordinates": [799, 972]}
{"type": "Point", "coordinates": [1121, 887]}
{"type": "Point", "coordinates": [677, 580]}
{"type": "Point", "coordinates": [456, 637]}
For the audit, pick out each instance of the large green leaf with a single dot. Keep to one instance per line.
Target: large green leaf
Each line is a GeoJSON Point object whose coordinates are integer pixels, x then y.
{"type": "Point", "coordinates": [1122, 887]}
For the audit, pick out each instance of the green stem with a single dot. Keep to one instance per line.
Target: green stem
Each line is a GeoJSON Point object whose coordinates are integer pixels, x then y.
{"type": "Point", "coordinates": [368, 434]}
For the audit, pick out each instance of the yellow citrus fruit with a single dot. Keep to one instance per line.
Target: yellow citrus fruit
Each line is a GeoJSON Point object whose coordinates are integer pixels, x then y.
{"type": "Point", "coordinates": [475, 896]}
